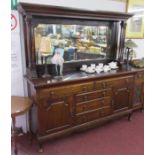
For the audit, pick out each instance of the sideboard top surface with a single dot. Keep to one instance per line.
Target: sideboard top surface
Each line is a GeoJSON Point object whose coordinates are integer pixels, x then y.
{"type": "Point", "coordinates": [77, 77]}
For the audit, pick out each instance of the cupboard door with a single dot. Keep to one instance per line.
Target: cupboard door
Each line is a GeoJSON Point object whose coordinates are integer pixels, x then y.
{"type": "Point", "coordinates": [122, 94]}
{"type": "Point", "coordinates": [138, 96]}
{"type": "Point", "coordinates": [122, 99]}
{"type": "Point", "coordinates": [54, 115]}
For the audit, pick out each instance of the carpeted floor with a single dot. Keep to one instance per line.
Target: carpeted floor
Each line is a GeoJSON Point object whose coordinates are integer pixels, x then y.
{"type": "Point", "coordinates": [118, 137]}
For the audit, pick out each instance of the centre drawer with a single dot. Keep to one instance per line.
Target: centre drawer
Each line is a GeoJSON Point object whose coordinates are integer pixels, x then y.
{"type": "Point", "coordinates": [93, 104]}
{"type": "Point", "coordinates": [82, 97]}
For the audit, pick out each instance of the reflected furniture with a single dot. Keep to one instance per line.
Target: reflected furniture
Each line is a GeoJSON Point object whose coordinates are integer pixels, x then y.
{"type": "Point", "coordinates": [78, 101]}
{"type": "Point", "coordinates": [19, 106]}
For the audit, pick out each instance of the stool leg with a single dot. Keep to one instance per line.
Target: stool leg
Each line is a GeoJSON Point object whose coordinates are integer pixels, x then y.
{"type": "Point", "coordinates": [30, 129]}
{"type": "Point", "coordinates": [14, 135]}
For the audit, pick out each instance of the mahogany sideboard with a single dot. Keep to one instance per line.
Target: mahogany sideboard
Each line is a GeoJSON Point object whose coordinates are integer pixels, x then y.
{"type": "Point", "coordinates": [81, 101]}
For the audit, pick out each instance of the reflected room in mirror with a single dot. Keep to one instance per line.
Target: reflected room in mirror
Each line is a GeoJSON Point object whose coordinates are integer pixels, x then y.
{"type": "Point", "coordinates": [76, 42]}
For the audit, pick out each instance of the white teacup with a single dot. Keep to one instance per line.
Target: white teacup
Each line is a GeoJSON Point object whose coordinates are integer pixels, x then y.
{"type": "Point", "coordinates": [92, 66]}
{"type": "Point", "coordinates": [98, 70]}
{"type": "Point", "coordinates": [84, 67]}
{"type": "Point", "coordinates": [113, 64]}
{"type": "Point", "coordinates": [100, 64]}
{"type": "Point", "coordinates": [90, 70]}
{"type": "Point", "coordinates": [106, 68]}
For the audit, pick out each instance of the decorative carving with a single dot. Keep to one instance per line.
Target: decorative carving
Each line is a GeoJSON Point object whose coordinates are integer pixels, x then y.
{"type": "Point", "coordinates": [122, 41]}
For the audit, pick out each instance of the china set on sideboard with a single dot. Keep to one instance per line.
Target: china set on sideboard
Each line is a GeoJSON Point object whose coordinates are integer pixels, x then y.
{"type": "Point", "coordinates": [82, 48]}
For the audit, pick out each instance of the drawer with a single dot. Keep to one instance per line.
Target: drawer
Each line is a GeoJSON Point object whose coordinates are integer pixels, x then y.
{"type": "Point", "coordinates": [103, 84]}
{"type": "Point", "coordinates": [93, 104]}
{"type": "Point", "coordinates": [92, 95]}
{"type": "Point", "coordinates": [61, 91]}
{"type": "Point", "coordinates": [93, 115]}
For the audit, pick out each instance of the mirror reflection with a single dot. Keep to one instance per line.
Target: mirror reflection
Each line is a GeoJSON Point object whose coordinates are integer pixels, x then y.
{"type": "Point", "coordinates": [74, 42]}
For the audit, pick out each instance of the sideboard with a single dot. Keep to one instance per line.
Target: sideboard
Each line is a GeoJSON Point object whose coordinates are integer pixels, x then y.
{"type": "Point", "coordinates": [80, 101]}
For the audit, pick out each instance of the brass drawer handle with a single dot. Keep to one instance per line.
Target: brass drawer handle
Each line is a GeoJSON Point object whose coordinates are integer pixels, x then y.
{"type": "Point", "coordinates": [66, 105]}
{"type": "Point", "coordinates": [104, 94]}
{"type": "Point", "coordinates": [84, 89]}
{"type": "Point", "coordinates": [84, 107]}
{"type": "Point", "coordinates": [139, 75]}
{"type": "Point", "coordinates": [85, 97]}
{"type": "Point", "coordinates": [52, 93]}
{"type": "Point", "coordinates": [102, 103]}
{"type": "Point", "coordinates": [127, 80]}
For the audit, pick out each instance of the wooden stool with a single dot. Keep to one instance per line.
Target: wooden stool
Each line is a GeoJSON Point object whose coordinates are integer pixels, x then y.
{"type": "Point", "coordinates": [19, 106]}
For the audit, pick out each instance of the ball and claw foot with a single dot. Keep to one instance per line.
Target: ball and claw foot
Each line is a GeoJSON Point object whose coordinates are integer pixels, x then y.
{"type": "Point", "coordinates": [40, 150]}
{"type": "Point", "coordinates": [129, 117]}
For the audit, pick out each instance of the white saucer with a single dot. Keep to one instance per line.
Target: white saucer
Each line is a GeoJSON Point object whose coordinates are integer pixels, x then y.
{"type": "Point", "coordinates": [82, 69]}
{"type": "Point", "coordinates": [88, 71]}
{"type": "Point", "coordinates": [114, 67]}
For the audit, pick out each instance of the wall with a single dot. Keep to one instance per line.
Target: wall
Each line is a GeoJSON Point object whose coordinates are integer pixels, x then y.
{"type": "Point", "coordinates": [140, 49]}
{"type": "Point", "coordinates": [17, 65]}
{"type": "Point", "coordinates": [86, 4]}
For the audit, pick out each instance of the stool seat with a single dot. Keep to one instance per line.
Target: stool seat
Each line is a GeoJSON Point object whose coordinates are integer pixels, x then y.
{"type": "Point", "coordinates": [19, 106]}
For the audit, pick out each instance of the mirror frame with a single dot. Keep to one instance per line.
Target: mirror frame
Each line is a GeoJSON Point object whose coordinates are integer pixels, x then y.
{"type": "Point", "coordinates": [33, 13]}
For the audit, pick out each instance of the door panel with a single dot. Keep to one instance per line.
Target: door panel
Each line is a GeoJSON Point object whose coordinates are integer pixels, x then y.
{"type": "Point", "coordinates": [122, 93]}
{"type": "Point", "coordinates": [56, 115]}
{"type": "Point", "coordinates": [121, 99]}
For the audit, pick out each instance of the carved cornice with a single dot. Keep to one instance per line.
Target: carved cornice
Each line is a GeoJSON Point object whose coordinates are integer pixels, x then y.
{"type": "Point", "coordinates": [66, 12]}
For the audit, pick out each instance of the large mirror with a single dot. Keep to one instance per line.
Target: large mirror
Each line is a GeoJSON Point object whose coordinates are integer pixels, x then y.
{"type": "Point", "coordinates": [74, 42]}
